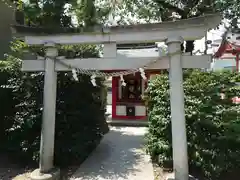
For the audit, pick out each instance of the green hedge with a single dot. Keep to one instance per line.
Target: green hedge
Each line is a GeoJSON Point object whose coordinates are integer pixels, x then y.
{"type": "Point", "coordinates": [80, 114]}
{"type": "Point", "coordinates": [213, 124]}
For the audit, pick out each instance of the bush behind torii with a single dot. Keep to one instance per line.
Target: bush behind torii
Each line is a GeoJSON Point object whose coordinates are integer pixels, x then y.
{"type": "Point", "coordinates": [80, 110]}
{"type": "Point", "coordinates": [213, 124]}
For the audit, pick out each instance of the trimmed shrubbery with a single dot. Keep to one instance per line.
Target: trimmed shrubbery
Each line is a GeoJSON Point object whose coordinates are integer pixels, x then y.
{"type": "Point", "coordinates": [213, 124]}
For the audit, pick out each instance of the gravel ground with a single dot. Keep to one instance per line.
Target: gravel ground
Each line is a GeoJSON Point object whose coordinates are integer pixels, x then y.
{"type": "Point", "coordinates": [9, 170]}
{"type": "Point", "coordinates": [120, 156]}
{"type": "Point", "coordinates": [15, 173]}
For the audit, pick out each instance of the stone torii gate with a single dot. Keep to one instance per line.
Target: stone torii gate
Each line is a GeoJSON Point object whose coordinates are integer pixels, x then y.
{"type": "Point", "coordinates": [173, 33]}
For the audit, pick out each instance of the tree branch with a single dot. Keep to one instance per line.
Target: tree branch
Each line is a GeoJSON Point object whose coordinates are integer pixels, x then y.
{"type": "Point", "coordinates": [169, 6]}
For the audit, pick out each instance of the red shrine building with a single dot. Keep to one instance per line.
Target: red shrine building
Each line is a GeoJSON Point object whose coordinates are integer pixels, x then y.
{"type": "Point", "coordinates": [127, 103]}
{"type": "Point", "coordinates": [127, 100]}
{"type": "Point", "coordinates": [228, 49]}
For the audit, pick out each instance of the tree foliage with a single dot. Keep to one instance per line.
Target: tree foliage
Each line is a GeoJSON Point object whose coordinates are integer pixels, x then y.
{"type": "Point", "coordinates": [230, 9]}
{"type": "Point", "coordinates": [161, 10]}
{"type": "Point", "coordinates": [136, 11]}
{"type": "Point", "coordinates": [80, 113]}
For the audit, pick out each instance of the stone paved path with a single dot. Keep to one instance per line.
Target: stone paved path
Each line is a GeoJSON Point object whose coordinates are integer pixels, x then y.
{"type": "Point", "coordinates": [120, 156]}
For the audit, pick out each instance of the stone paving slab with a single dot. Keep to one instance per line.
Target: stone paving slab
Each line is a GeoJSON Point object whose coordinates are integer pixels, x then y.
{"type": "Point", "coordinates": [120, 156]}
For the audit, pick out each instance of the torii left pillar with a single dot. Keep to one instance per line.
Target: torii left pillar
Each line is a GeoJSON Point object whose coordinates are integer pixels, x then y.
{"type": "Point", "coordinates": [46, 169]}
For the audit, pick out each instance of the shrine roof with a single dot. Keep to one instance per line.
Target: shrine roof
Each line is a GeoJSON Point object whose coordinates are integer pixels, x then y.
{"type": "Point", "coordinates": [185, 23]}
{"type": "Point", "coordinates": [226, 47]}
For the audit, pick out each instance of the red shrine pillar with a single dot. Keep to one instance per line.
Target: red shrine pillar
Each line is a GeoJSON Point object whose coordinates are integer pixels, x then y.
{"type": "Point", "coordinates": [114, 96]}
{"type": "Point", "coordinates": [237, 62]}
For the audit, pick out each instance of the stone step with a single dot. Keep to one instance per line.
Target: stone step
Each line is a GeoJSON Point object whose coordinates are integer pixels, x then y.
{"type": "Point", "coordinates": [133, 123]}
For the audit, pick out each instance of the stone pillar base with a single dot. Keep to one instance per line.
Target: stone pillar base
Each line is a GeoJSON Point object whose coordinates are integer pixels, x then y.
{"type": "Point", "coordinates": [171, 177]}
{"type": "Point", "coordinates": [52, 175]}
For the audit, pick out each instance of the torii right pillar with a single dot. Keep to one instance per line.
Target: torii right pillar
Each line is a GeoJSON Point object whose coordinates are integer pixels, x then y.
{"type": "Point", "coordinates": [179, 135]}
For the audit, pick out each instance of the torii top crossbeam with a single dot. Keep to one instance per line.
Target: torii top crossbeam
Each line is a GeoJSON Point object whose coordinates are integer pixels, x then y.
{"type": "Point", "coordinates": [188, 29]}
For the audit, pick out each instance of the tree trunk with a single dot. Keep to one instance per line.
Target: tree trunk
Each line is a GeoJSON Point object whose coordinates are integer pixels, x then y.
{"type": "Point", "coordinates": [6, 19]}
